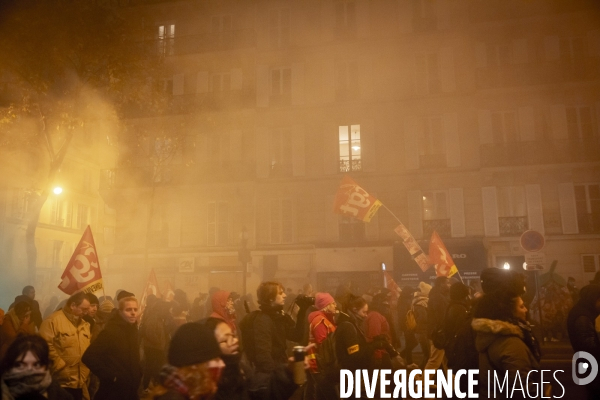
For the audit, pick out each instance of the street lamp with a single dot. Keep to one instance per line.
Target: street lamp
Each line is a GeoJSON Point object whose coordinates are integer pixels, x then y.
{"type": "Point", "coordinates": [506, 265]}
{"type": "Point", "coordinates": [57, 190]}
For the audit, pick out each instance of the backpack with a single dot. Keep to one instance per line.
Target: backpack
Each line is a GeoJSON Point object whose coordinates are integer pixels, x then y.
{"type": "Point", "coordinates": [461, 352]}
{"type": "Point", "coordinates": [326, 356]}
{"type": "Point", "coordinates": [246, 332]}
{"type": "Point", "coordinates": [411, 321]}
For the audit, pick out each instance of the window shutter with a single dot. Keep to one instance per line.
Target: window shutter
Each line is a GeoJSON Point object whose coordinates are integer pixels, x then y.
{"type": "Point", "coordinates": [490, 211]}
{"type": "Point", "coordinates": [372, 229]}
{"type": "Point", "coordinates": [331, 152]}
{"type": "Point", "coordinates": [520, 51]}
{"type": "Point", "coordinates": [412, 132]}
{"type": "Point", "coordinates": [332, 228]}
{"type": "Point", "coordinates": [363, 17]}
{"type": "Point", "coordinates": [568, 208]}
{"type": "Point", "coordinates": [297, 84]}
{"type": "Point", "coordinates": [447, 73]}
{"type": "Point", "coordinates": [415, 213]}
{"type": "Point", "coordinates": [298, 151]}
{"type": "Point", "coordinates": [552, 48]}
{"type": "Point", "coordinates": [236, 79]}
{"type": "Point", "coordinates": [480, 55]}
{"type": "Point", "coordinates": [559, 122]}
{"type": "Point", "coordinates": [527, 124]}
{"type": "Point", "coordinates": [589, 263]}
{"type": "Point", "coordinates": [535, 214]}
{"type": "Point", "coordinates": [457, 212]}
{"type": "Point", "coordinates": [485, 127]}
{"type": "Point", "coordinates": [328, 82]}
{"type": "Point", "coordinates": [450, 126]}
{"type": "Point", "coordinates": [178, 84]}
{"type": "Point", "coordinates": [368, 145]}
{"type": "Point", "coordinates": [262, 153]}
{"type": "Point", "coordinates": [201, 82]}
{"type": "Point", "coordinates": [262, 86]}
{"type": "Point", "coordinates": [174, 219]}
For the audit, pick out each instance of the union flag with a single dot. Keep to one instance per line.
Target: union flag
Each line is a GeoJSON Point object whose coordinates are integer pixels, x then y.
{"type": "Point", "coordinates": [354, 201]}
{"type": "Point", "coordinates": [440, 257]}
{"type": "Point", "coordinates": [82, 273]}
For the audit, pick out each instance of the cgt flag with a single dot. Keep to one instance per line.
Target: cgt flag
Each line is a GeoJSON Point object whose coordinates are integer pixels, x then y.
{"type": "Point", "coordinates": [82, 273]}
{"type": "Point", "coordinates": [440, 257]}
{"type": "Point", "coordinates": [354, 201]}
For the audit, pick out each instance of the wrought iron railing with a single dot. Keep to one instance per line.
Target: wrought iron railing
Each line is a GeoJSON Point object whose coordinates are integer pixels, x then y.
{"type": "Point", "coordinates": [441, 226]}
{"type": "Point", "coordinates": [350, 165]}
{"type": "Point", "coordinates": [589, 222]}
{"type": "Point", "coordinates": [512, 226]}
{"type": "Point", "coordinates": [190, 44]}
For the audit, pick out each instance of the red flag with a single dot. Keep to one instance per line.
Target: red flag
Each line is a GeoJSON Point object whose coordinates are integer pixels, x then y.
{"type": "Point", "coordinates": [440, 257]}
{"type": "Point", "coordinates": [413, 247]}
{"type": "Point", "coordinates": [354, 201]}
{"type": "Point", "coordinates": [82, 273]}
{"type": "Point", "coordinates": [151, 288]}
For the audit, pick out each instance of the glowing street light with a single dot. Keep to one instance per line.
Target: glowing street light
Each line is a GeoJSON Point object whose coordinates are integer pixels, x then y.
{"type": "Point", "coordinates": [57, 190]}
{"type": "Point", "coordinates": [506, 265]}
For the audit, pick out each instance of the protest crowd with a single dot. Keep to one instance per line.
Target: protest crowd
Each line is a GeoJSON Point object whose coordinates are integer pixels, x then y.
{"type": "Point", "coordinates": [223, 345]}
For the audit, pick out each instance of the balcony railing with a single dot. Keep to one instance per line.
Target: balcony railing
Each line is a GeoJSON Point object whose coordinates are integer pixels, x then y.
{"type": "Point", "coordinates": [512, 226]}
{"type": "Point", "coordinates": [589, 222]}
{"type": "Point", "coordinates": [208, 42]}
{"type": "Point", "coordinates": [350, 165]}
{"type": "Point", "coordinates": [441, 226]}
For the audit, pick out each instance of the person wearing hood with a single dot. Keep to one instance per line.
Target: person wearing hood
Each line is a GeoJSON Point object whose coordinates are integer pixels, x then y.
{"type": "Point", "coordinates": [194, 366]}
{"type": "Point", "coordinates": [25, 372]}
{"type": "Point", "coordinates": [114, 356]}
{"type": "Point", "coordinates": [505, 342]}
{"type": "Point", "coordinates": [223, 308]}
{"type": "Point", "coordinates": [17, 321]}
{"type": "Point", "coordinates": [419, 306]}
{"type": "Point", "coordinates": [581, 328]}
{"type": "Point", "coordinates": [28, 296]}
{"type": "Point", "coordinates": [376, 325]}
{"type": "Point", "coordinates": [321, 324]}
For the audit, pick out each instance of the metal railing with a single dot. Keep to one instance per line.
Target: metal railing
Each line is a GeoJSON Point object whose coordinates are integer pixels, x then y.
{"type": "Point", "coordinates": [441, 226]}
{"type": "Point", "coordinates": [350, 165]}
{"type": "Point", "coordinates": [208, 42]}
{"type": "Point", "coordinates": [588, 222]}
{"type": "Point", "coordinates": [512, 226]}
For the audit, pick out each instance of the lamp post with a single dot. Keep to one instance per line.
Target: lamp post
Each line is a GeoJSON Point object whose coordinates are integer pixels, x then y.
{"type": "Point", "coordinates": [244, 256]}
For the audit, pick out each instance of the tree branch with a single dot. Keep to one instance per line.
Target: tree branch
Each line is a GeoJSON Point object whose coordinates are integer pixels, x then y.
{"type": "Point", "coordinates": [47, 141]}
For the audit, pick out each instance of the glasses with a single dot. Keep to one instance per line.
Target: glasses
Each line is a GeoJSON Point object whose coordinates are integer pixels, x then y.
{"type": "Point", "coordinates": [229, 339]}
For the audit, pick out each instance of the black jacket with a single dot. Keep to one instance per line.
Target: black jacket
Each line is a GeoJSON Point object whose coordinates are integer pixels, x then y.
{"type": "Point", "coordinates": [115, 359]}
{"type": "Point", "coordinates": [439, 298]}
{"type": "Point", "coordinates": [271, 329]}
{"type": "Point", "coordinates": [352, 350]}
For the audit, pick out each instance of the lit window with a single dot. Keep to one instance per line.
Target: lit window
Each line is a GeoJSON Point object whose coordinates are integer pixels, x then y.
{"type": "Point", "coordinates": [350, 148]}
{"type": "Point", "coordinates": [166, 39]}
{"type": "Point", "coordinates": [435, 205]}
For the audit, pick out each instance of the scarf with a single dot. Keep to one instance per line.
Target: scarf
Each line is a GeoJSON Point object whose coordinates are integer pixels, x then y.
{"type": "Point", "coordinates": [530, 339]}
{"type": "Point", "coordinates": [75, 320]}
{"type": "Point", "coordinates": [26, 382]}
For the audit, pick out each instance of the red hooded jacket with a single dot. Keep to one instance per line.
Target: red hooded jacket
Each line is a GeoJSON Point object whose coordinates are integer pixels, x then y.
{"type": "Point", "coordinates": [219, 303]}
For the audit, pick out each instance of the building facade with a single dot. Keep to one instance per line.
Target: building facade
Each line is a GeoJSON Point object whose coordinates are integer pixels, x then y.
{"type": "Point", "coordinates": [479, 120]}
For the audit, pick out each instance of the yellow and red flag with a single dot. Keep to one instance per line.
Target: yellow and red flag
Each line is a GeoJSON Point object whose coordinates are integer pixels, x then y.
{"type": "Point", "coordinates": [440, 257]}
{"type": "Point", "coordinates": [413, 247]}
{"type": "Point", "coordinates": [354, 201]}
{"type": "Point", "coordinates": [82, 273]}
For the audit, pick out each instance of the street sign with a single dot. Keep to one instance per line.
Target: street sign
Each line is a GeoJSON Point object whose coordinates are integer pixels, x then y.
{"type": "Point", "coordinates": [532, 241]}
{"type": "Point", "coordinates": [535, 261]}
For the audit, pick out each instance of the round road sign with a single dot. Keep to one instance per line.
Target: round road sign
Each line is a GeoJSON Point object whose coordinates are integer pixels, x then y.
{"type": "Point", "coordinates": [532, 241]}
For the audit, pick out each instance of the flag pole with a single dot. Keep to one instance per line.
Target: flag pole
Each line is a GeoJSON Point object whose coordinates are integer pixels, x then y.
{"type": "Point", "coordinates": [390, 211]}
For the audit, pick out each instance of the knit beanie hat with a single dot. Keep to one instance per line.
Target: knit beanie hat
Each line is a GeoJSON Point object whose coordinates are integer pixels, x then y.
{"type": "Point", "coordinates": [107, 306]}
{"type": "Point", "coordinates": [458, 291]}
{"type": "Point", "coordinates": [424, 288]}
{"type": "Point", "coordinates": [322, 300]}
{"type": "Point", "coordinates": [193, 344]}
{"type": "Point", "coordinates": [124, 293]}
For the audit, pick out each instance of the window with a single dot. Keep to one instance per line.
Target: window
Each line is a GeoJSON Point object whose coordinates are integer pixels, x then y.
{"type": "Point", "coordinates": [281, 86]}
{"type": "Point", "coordinates": [280, 152]}
{"type": "Point", "coordinates": [350, 148]}
{"type": "Point", "coordinates": [504, 126]}
{"type": "Point", "coordinates": [351, 229]}
{"type": "Point", "coordinates": [587, 201]}
{"type": "Point", "coordinates": [435, 213]}
{"type": "Point", "coordinates": [279, 27]}
{"type": "Point", "coordinates": [428, 74]}
{"type": "Point", "coordinates": [590, 262]}
{"type": "Point", "coordinates": [346, 80]}
{"type": "Point", "coordinates": [218, 223]}
{"type": "Point", "coordinates": [512, 210]}
{"type": "Point", "coordinates": [281, 221]}
{"type": "Point", "coordinates": [61, 213]}
{"type": "Point", "coordinates": [82, 216]}
{"type": "Point", "coordinates": [222, 30]}
{"type": "Point", "coordinates": [572, 57]}
{"type": "Point", "coordinates": [166, 40]}
{"type": "Point", "coordinates": [432, 143]}
{"type": "Point", "coordinates": [220, 83]}
{"type": "Point", "coordinates": [345, 19]}
{"type": "Point", "coordinates": [580, 123]}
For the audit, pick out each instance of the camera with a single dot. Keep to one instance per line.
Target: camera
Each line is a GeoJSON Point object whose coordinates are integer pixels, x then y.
{"type": "Point", "coordinates": [305, 301]}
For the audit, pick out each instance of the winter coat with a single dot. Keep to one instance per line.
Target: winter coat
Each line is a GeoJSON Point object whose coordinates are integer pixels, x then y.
{"type": "Point", "coordinates": [153, 329]}
{"type": "Point", "coordinates": [404, 304]}
{"type": "Point", "coordinates": [67, 344]}
{"type": "Point", "coordinates": [419, 305]}
{"type": "Point", "coordinates": [502, 347]}
{"type": "Point", "coordinates": [115, 359]}
{"type": "Point", "coordinates": [352, 349]}
{"type": "Point", "coordinates": [11, 328]}
{"type": "Point", "coordinates": [272, 328]}
{"type": "Point", "coordinates": [36, 314]}
{"type": "Point", "coordinates": [319, 328]}
{"type": "Point", "coordinates": [54, 392]}
{"type": "Point", "coordinates": [581, 325]}
{"type": "Point", "coordinates": [439, 298]}
{"type": "Point", "coordinates": [219, 302]}
{"type": "Point", "coordinates": [376, 325]}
